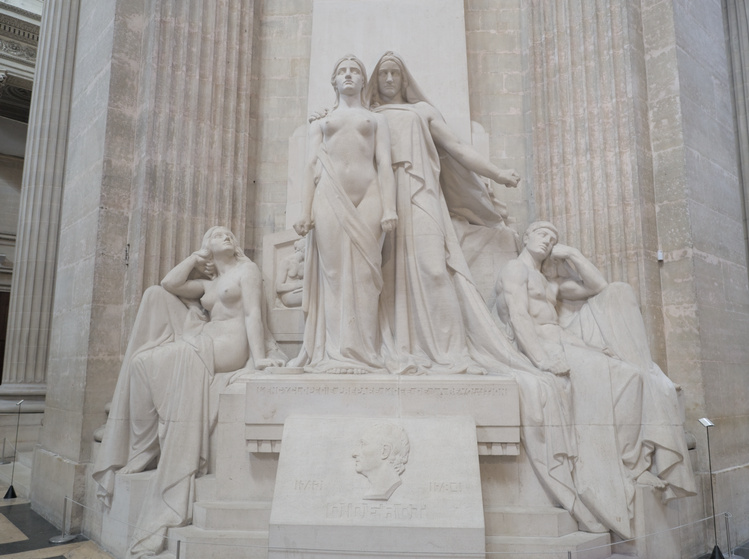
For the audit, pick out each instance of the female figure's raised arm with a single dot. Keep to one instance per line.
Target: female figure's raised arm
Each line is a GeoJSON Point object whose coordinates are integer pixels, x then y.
{"type": "Point", "coordinates": [176, 281]}
{"type": "Point", "coordinates": [465, 154]}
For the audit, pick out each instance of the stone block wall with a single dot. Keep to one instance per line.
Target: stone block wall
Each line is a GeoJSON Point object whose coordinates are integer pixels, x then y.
{"type": "Point", "coordinates": [281, 55]}
{"type": "Point", "coordinates": [498, 74]}
{"type": "Point", "coordinates": [700, 229]}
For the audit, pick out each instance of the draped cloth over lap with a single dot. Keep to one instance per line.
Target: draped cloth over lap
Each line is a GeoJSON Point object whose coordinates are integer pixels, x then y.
{"type": "Point", "coordinates": [343, 281]}
{"type": "Point", "coordinates": [625, 409]}
{"type": "Point", "coordinates": [165, 406]}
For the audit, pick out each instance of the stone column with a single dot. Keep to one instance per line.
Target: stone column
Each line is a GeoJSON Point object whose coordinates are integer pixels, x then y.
{"type": "Point", "coordinates": [737, 15]}
{"type": "Point", "coordinates": [160, 104]}
{"type": "Point", "coordinates": [24, 368]}
{"type": "Point", "coordinates": [194, 172]}
{"type": "Point", "coordinates": [592, 169]}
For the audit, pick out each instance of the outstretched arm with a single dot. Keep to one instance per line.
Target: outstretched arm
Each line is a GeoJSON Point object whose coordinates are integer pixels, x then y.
{"type": "Point", "coordinates": [176, 281]}
{"type": "Point", "coordinates": [465, 154]}
{"type": "Point", "coordinates": [592, 283]}
{"type": "Point", "coordinates": [304, 224]}
{"type": "Point", "coordinates": [385, 175]}
{"type": "Point", "coordinates": [512, 284]}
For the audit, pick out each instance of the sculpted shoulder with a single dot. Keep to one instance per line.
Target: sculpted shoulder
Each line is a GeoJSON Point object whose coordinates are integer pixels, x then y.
{"type": "Point", "coordinates": [426, 111]}
{"type": "Point", "coordinates": [514, 271]}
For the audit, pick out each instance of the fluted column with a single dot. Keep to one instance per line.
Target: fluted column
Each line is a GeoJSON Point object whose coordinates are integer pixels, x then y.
{"type": "Point", "coordinates": [24, 368]}
{"type": "Point", "coordinates": [585, 150]}
{"type": "Point", "coordinates": [196, 172]}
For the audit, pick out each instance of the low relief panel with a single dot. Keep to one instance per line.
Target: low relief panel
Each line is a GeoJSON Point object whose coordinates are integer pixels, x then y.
{"type": "Point", "coordinates": [381, 456]}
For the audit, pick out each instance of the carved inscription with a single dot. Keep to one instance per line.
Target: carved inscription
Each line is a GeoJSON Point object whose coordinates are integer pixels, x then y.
{"type": "Point", "coordinates": [445, 487]}
{"type": "Point", "coordinates": [456, 390]}
{"type": "Point", "coordinates": [327, 390]}
{"type": "Point", "coordinates": [372, 511]}
{"type": "Point", "coordinates": [492, 391]}
{"type": "Point", "coordinates": [308, 485]}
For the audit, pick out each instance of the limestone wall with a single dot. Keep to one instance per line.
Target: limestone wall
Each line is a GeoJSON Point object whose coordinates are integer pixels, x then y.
{"type": "Point", "coordinates": [281, 56]}
{"type": "Point", "coordinates": [76, 312]}
{"type": "Point", "coordinates": [496, 37]}
{"type": "Point", "coordinates": [699, 218]}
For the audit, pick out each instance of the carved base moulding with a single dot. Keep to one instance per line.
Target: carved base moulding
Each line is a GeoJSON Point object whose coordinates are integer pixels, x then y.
{"type": "Point", "coordinates": [492, 402]}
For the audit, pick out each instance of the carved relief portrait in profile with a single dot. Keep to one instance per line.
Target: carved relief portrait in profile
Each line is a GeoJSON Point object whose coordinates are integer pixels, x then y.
{"type": "Point", "coordinates": [381, 457]}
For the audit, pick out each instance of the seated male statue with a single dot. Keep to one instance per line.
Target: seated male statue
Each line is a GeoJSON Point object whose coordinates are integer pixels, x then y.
{"type": "Point", "coordinates": [563, 314]}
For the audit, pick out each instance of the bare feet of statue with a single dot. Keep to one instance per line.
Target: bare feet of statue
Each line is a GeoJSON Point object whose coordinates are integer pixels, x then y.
{"type": "Point", "coordinates": [651, 480]}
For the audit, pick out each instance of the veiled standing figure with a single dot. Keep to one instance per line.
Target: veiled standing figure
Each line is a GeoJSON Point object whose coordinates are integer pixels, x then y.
{"type": "Point", "coordinates": [438, 319]}
{"type": "Point", "coordinates": [179, 358]}
{"type": "Point", "coordinates": [348, 202]}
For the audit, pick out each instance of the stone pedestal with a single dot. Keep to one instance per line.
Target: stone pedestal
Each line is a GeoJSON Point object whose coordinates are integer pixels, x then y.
{"type": "Point", "coordinates": [491, 401]}
{"type": "Point", "coordinates": [323, 507]}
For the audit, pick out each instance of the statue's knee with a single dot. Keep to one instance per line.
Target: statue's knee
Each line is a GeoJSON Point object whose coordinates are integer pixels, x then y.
{"type": "Point", "coordinates": [152, 293]}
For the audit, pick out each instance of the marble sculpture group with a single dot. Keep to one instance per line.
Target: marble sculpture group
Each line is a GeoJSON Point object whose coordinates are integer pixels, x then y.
{"type": "Point", "coordinates": [385, 288]}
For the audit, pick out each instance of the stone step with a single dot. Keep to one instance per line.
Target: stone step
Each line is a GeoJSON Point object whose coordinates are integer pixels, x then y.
{"type": "Point", "coordinates": [583, 545]}
{"type": "Point", "coordinates": [26, 458]}
{"type": "Point", "coordinates": [196, 543]}
{"type": "Point", "coordinates": [519, 521]}
{"type": "Point", "coordinates": [205, 488]}
{"type": "Point", "coordinates": [239, 515]}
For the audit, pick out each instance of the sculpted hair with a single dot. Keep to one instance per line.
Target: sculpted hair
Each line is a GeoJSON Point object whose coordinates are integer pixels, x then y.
{"type": "Point", "coordinates": [400, 447]}
{"type": "Point", "coordinates": [360, 64]}
{"type": "Point", "coordinates": [238, 252]}
{"type": "Point", "coordinates": [536, 225]}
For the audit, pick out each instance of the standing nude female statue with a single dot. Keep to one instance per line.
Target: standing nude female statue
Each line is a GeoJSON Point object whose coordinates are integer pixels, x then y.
{"type": "Point", "coordinates": [348, 202]}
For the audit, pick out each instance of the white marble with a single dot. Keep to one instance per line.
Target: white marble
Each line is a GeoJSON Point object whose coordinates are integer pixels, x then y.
{"type": "Point", "coordinates": [628, 427]}
{"type": "Point", "coordinates": [348, 203]}
{"type": "Point", "coordinates": [179, 359]}
{"type": "Point", "coordinates": [491, 401]}
{"type": "Point", "coordinates": [372, 485]}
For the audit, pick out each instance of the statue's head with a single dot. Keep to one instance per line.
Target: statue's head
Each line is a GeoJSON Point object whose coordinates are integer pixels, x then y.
{"type": "Point", "coordinates": [349, 62]}
{"type": "Point", "coordinates": [215, 234]}
{"type": "Point", "coordinates": [383, 445]}
{"type": "Point", "coordinates": [391, 77]}
{"type": "Point", "coordinates": [540, 233]}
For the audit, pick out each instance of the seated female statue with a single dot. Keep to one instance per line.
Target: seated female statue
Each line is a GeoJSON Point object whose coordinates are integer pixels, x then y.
{"type": "Point", "coordinates": [203, 322]}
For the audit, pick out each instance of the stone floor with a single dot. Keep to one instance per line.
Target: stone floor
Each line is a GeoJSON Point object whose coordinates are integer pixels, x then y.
{"type": "Point", "coordinates": [25, 535]}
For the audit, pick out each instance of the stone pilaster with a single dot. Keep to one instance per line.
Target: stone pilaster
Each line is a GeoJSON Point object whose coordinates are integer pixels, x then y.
{"type": "Point", "coordinates": [27, 345]}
